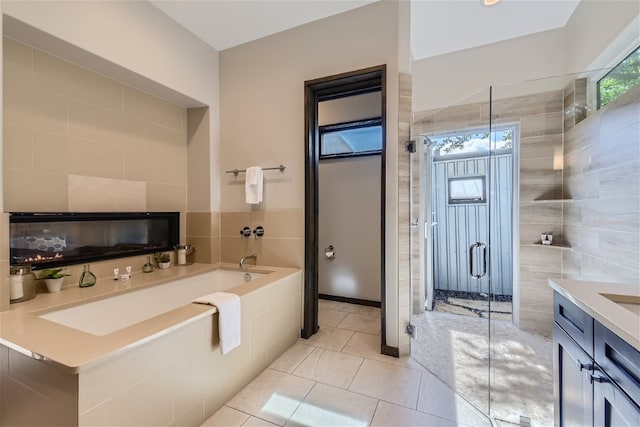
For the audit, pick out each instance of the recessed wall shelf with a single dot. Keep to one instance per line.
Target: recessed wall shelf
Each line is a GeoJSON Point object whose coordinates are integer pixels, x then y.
{"type": "Point", "coordinates": [557, 246]}
{"type": "Point", "coordinates": [552, 200]}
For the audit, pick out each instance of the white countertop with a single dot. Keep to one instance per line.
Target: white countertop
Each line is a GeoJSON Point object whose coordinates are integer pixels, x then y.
{"type": "Point", "coordinates": [589, 297]}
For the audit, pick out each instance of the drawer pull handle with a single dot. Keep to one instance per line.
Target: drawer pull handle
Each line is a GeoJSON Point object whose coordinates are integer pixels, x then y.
{"type": "Point", "coordinates": [597, 379]}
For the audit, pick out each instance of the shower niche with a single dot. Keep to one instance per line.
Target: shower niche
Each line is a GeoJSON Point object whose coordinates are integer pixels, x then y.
{"type": "Point", "coordinates": [46, 240]}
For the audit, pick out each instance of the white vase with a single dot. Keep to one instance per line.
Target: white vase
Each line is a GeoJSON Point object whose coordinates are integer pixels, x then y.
{"type": "Point", "coordinates": [54, 285]}
{"type": "Point", "coordinates": [164, 265]}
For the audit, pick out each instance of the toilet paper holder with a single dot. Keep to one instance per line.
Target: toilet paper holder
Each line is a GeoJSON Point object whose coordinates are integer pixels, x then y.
{"type": "Point", "coordinates": [329, 252]}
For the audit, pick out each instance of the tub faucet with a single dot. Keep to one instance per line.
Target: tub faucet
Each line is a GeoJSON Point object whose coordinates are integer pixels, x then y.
{"type": "Point", "coordinates": [244, 258]}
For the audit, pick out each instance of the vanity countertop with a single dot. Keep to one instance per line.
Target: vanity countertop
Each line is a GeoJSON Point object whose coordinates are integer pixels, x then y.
{"type": "Point", "coordinates": [614, 305]}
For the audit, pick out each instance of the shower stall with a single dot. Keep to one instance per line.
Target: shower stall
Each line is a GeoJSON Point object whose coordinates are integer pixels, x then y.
{"type": "Point", "coordinates": [496, 188]}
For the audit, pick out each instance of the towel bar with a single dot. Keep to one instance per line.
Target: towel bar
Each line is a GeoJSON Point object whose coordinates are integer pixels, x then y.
{"type": "Point", "coordinates": [235, 172]}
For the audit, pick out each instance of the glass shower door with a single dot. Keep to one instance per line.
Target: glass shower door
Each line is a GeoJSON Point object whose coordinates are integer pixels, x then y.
{"type": "Point", "coordinates": [453, 168]}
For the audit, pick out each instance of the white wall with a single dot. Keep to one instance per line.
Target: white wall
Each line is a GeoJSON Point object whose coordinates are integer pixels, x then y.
{"type": "Point", "coordinates": [132, 42]}
{"type": "Point", "coordinates": [593, 27]}
{"type": "Point", "coordinates": [444, 80]}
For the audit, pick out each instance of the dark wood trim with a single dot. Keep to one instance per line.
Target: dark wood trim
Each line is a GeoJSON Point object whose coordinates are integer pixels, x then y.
{"type": "Point", "coordinates": [350, 300]}
{"type": "Point", "coordinates": [390, 351]}
{"type": "Point", "coordinates": [325, 88]}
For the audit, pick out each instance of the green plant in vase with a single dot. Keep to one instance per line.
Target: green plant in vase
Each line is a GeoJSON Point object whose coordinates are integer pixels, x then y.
{"type": "Point", "coordinates": [53, 278]}
{"type": "Point", "coordinates": [163, 259]}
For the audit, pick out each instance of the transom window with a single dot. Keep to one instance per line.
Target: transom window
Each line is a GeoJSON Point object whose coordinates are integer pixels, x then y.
{"type": "Point", "coordinates": [619, 79]}
{"type": "Point", "coordinates": [363, 137]}
{"type": "Point", "coordinates": [473, 142]}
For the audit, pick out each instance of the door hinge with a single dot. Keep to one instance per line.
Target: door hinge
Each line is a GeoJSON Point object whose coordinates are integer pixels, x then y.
{"type": "Point", "coordinates": [412, 330]}
{"type": "Point", "coordinates": [411, 147]}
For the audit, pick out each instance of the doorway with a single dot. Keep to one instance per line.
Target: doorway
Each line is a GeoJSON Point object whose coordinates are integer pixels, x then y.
{"type": "Point", "coordinates": [471, 203]}
{"type": "Point", "coordinates": [321, 136]}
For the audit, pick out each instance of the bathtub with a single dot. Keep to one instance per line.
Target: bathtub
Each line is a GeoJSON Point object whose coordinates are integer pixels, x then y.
{"type": "Point", "coordinates": [143, 355]}
{"type": "Point", "coordinates": [112, 314]}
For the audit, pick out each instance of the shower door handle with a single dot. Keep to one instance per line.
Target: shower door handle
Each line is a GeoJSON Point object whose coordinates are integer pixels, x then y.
{"type": "Point", "coordinates": [472, 251]}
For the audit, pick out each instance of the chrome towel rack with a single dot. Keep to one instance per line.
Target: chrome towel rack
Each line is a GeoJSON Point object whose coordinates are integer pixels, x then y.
{"type": "Point", "coordinates": [235, 172]}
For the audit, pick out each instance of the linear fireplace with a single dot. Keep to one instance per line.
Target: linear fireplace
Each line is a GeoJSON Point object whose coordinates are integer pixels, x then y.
{"type": "Point", "coordinates": [55, 239]}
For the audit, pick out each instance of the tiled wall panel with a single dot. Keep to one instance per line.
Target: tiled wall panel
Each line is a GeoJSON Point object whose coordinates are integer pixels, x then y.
{"type": "Point", "coordinates": [602, 224]}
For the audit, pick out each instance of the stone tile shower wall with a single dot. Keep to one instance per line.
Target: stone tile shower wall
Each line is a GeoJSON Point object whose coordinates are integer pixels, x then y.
{"type": "Point", "coordinates": [540, 121]}
{"type": "Point", "coordinates": [602, 176]}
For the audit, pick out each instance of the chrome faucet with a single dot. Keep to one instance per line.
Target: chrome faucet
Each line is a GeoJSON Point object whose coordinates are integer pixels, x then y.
{"type": "Point", "coordinates": [244, 258]}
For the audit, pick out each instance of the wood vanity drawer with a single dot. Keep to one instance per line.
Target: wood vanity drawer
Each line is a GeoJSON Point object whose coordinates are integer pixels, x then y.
{"type": "Point", "coordinates": [619, 360]}
{"type": "Point", "coordinates": [575, 322]}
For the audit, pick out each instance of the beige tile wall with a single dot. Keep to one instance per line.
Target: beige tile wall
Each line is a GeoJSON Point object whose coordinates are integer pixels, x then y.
{"type": "Point", "coordinates": [65, 126]}
{"type": "Point", "coordinates": [602, 175]}
{"type": "Point", "coordinates": [404, 214]}
{"type": "Point", "coordinates": [281, 246]}
{"type": "Point", "coordinates": [203, 232]}
{"type": "Point", "coordinates": [75, 140]}
{"type": "Point", "coordinates": [540, 118]}
{"type": "Point", "coordinates": [34, 393]}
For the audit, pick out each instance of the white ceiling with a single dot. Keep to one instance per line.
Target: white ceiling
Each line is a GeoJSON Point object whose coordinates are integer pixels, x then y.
{"type": "Point", "coordinates": [437, 26]}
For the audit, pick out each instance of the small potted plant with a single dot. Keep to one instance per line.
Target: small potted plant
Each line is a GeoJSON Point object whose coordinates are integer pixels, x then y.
{"type": "Point", "coordinates": [53, 278]}
{"type": "Point", "coordinates": [163, 259]}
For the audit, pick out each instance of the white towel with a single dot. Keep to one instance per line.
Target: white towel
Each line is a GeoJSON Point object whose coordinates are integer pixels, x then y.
{"type": "Point", "coordinates": [253, 185]}
{"type": "Point", "coordinates": [229, 327]}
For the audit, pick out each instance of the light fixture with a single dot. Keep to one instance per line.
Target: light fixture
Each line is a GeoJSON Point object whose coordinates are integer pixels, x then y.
{"type": "Point", "coordinates": [490, 2]}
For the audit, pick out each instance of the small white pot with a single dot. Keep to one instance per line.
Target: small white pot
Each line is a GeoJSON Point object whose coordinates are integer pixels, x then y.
{"type": "Point", "coordinates": [164, 265]}
{"type": "Point", "coordinates": [54, 285]}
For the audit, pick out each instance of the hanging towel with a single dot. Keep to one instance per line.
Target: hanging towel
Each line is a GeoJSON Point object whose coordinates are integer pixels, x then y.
{"type": "Point", "coordinates": [253, 185]}
{"type": "Point", "coordinates": [229, 316]}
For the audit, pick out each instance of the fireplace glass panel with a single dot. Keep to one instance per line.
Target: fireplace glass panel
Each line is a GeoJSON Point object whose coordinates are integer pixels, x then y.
{"type": "Point", "coordinates": [47, 240]}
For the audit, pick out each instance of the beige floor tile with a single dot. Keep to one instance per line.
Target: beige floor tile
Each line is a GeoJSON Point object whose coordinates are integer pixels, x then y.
{"type": "Point", "coordinates": [257, 422]}
{"type": "Point", "coordinates": [327, 304]}
{"type": "Point", "coordinates": [375, 311]}
{"type": "Point", "coordinates": [438, 399]}
{"type": "Point", "coordinates": [388, 414]}
{"type": "Point", "coordinates": [361, 323]}
{"type": "Point", "coordinates": [291, 358]}
{"type": "Point", "coordinates": [330, 406]}
{"type": "Point", "coordinates": [384, 381]}
{"type": "Point", "coordinates": [353, 308]}
{"type": "Point", "coordinates": [330, 367]}
{"type": "Point", "coordinates": [226, 416]}
{"type": "Point", "coordinates": [272, 396]}
{"type": "Point", "coordinates": [329, 338]}
{"type": "Point", "coordinates": [328, 317]}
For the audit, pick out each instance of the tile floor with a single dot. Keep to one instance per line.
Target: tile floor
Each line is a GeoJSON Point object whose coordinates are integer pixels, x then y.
{"type": "Point", "coordinates": [339, 378]}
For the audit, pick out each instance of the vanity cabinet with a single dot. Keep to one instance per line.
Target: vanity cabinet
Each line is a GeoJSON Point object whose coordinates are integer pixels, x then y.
{"type": "Point", "coordinates": [597, 374]}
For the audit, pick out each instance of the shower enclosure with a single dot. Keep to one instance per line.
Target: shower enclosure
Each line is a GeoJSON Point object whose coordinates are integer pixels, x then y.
{"type": "Point", "coordinates": [491, 220]}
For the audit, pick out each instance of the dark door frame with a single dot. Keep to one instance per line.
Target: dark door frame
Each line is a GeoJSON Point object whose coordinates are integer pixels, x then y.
{"type": "Point", "coordinates": [366, 80]}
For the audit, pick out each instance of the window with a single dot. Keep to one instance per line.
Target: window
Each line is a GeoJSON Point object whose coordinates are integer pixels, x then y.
{"type": "Point", "coordinates": [351, 139]}
{"type": "Point", "coordinates": [620, 79]}
{"type": "Point", "coordinates": [468, 189]}
{"type": "Point", "coordinates": [474, 143]}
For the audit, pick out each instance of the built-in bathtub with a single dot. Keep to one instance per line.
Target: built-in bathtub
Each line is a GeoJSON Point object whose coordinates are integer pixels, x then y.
{"type": "Point", "coordinates": [161, 366]}
{"type": "Point", "coordinates": [112, 314]}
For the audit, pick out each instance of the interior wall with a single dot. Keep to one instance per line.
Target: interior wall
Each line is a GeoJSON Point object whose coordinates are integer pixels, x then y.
{"type": "Point", "coordinates": [602, 176]}
{"type": "Point", "coordinates": [262, 123]}
{"type": "Point", "coordinates": [76, 141]}
{"type": "Point", "coordinates": [592, 28]}
{"type": "Point", "coordinates": [146, 50]}
{"type": "Point", "coordinates": [445, 80]}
